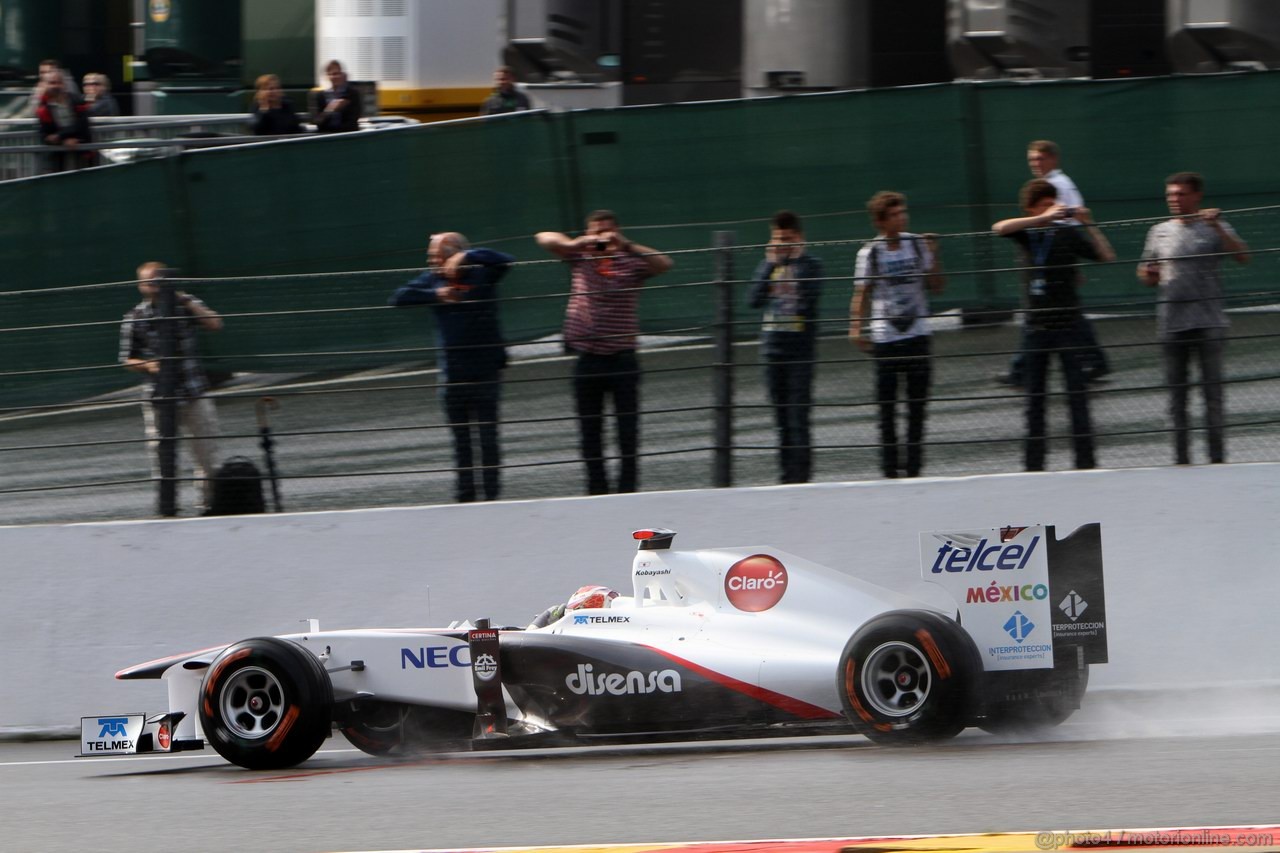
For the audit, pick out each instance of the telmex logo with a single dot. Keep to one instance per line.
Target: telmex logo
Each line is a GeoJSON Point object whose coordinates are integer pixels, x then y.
{"type": "Point", "coordinates": [755, 583]}
{"type": "Point", "coordinates": [434, 657]}
{"type": "Point", "coordinates": [600, 620]}
{"type": "Point", "coordinates": [584, 683]}
{"type": "Point", "coordinates": [984, 558]}
{"type": "Point", "coordinates": [112, 726]}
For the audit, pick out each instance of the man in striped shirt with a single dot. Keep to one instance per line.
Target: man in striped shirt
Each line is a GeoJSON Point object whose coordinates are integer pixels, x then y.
{"type": "Point", "coordinates": [601, 327]}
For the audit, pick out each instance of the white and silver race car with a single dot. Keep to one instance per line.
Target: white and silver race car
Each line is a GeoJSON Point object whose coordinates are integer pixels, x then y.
{"type": "Point", "coordinates": [710, 642]}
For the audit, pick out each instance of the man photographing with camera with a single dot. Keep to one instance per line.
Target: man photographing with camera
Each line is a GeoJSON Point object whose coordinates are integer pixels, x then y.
{"type": "Point", "coordinates": [601, 327]}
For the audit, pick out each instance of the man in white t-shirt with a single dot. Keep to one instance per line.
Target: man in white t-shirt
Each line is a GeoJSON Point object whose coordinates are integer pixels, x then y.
{"type": "Point", "coordinates": [889, 319]}
{"type": "Point", "coordinates": [1043, 157]}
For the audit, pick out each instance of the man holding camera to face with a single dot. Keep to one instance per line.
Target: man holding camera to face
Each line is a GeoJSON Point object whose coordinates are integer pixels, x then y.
{"type": "Point", "coordinates": [601, 327]}
{"type": "Point", "coordinates": [1053, 237]}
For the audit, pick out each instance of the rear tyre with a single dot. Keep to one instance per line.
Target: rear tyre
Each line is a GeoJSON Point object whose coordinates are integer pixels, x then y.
{"type": "Point", "coordinates": [265, 704]}
{"type": "Point", "coordinates": [908, 677]}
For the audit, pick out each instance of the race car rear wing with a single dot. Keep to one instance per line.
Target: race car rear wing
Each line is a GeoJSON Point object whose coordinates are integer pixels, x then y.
{"type": "Point", "coordinates": [1026, 598]}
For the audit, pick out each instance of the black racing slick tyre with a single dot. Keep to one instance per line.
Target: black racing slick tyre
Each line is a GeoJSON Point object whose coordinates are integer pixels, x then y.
{"type": "Point", "coordinates": [265, 704]}
{"type": "Point", "coordinates": [909, 677]}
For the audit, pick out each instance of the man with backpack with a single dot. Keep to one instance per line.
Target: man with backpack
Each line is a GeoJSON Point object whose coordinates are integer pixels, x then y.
{"type": "Point", "coordinates": [889, 314]}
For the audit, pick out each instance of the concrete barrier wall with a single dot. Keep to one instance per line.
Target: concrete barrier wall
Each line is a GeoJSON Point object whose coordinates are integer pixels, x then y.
{"type": "Point", "coordinates": [1191, 570]}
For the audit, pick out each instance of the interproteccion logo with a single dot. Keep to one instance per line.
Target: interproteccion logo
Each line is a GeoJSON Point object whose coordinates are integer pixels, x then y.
{"type": "Point", "coordinates": [1073, 605]}
{"type": "Point", "coordinates": [1019, 626]}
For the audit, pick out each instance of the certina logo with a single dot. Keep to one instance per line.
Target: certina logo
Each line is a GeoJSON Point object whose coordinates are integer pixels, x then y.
{"type": "Point", "coordinates": [994, 594]}
{"type": "Point", "coordinates": [1073, 605]}
{"type": "Point", "coordinates": [434, 657]}
{"type": "Point", "coordinates": [755, 583]}
{"type": "Point", "coordinates": [1019, 627]}
{"type": "Point", "coordinates": [586, 683]}
{"type": "Point", "coordinates": [485, 667]}
{"type": "Point", "coordinates": [600, 620]}
{"type": "Point", "coordinates": [983, 557]}
{"type": "Point", "coordinates": [113, 727]}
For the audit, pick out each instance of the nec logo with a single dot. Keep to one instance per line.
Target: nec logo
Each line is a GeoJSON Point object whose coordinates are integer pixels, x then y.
{"type": "Point", "coordinates": [601, 620]}
{"type": "Point", "coordinates": [982, 557]}
{"type": "Point", "coordinates": [434, 657]}
{"type": "Point", "coordinates": [112, 726]}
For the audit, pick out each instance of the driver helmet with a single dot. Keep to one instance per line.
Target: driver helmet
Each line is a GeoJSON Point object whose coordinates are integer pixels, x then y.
{"type": "Point", "coordinates": [591, 597]}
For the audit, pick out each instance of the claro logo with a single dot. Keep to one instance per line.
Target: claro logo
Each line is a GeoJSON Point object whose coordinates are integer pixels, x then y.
{"type": "Point", "coordinates": [755, 583]}
{"type": "Point", "coordinates": [586, 683]}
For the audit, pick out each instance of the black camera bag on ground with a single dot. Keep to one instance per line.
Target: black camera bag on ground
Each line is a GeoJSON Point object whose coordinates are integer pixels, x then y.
{"type": "Point", "coordinates": [237, 488]}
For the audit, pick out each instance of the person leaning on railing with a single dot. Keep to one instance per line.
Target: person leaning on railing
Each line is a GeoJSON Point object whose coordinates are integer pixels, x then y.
{"type": "Point", "coordinates": [1182, 258]}
{"type": "Point", "coordinates": [272, 114]}
{"type": "Point", "coordinates": [1052, 237]}
{"type": "Point", "coordinates": [338, 108]}
{"type": "Point", "coordinates": [64, 124]}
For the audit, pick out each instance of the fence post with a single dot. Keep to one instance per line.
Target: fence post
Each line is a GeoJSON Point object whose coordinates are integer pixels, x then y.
{"type": "Point", "coordinates": [722, 371]}
{"type": "Point", "coordinates": [166, 392]}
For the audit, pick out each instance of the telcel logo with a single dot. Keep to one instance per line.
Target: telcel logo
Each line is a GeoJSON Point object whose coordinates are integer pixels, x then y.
{"type": "Point", "coordinates": [755, 583]}
{"type": "Point", "coordinates": [983, 557]}
{"type": "Point", "coordinates": [434, 657]}
{"type": "Point", "coordinates": [113, 727]}
{"type": "Point", "coordinates": [584, 682]}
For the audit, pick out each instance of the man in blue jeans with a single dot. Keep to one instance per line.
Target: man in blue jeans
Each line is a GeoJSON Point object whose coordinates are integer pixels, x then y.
{"type": "Point", "coordinates": [786, 286]}
{"type": "Point", "coordinates": [461, 287]}
{"type": "Point", "coordinates": [1053, 236]}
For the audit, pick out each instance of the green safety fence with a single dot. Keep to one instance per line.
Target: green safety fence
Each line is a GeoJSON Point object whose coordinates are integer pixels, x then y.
{"type": "Point", "coordinates": [314, 225]}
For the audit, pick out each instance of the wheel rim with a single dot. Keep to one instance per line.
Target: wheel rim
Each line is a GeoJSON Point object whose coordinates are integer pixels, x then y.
{"type": "Point", "coordinates": [252, 702]}
{"type": "Point", "coordinates": [896, 679]}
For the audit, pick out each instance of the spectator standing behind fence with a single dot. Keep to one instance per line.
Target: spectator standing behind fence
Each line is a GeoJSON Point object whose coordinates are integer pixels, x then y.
{"type": "Point", "coordinates": [461, 288]}
{"type": "Point", "coordinates": [506, 98]}
{"type": "Point", "coordinates": [97, 94]}
{"type": "Point", "coordinates": [338, 108]}
{"type": "Point", "coordinates": [601, 326]}
{"type": "Point", "coordinates": [48, 70]}
{"type": "Point", "coordinates": [1051, 242]}
{"type": "Point", "coordinates": [139, 352]}
{"type": "Point", "coordinates": [786, 285]}
{"type": "Point", "coordinates": [1183, 258]}
{"type": "Point", "coordinates": [1043, 158]}
{"type": "Point", "coordinates": [272, 114]}
{"type": "Point", "coordinates": [889, 319]}
{"type": "Point", "coordinates": [64, 125]}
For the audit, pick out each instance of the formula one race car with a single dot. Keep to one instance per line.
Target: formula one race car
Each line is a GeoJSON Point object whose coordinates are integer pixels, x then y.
{"type": "Point", "coordinates": [710, 642]}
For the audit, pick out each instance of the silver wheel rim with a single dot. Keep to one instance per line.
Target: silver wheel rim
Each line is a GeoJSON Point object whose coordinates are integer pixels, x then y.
{"type": "Point", "coordinates": [252, 702]}
{"type": "Point", "coordinates": [896, 679]}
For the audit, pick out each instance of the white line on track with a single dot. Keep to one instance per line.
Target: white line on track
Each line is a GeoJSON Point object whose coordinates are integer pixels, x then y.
{"type": "Point", "coordinates": [181, 756]}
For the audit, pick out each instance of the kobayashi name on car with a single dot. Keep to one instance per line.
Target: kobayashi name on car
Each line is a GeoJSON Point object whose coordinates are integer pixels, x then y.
{"type": "Point", "coordinates": [434, 657]}
{"type": "Point", "coordinates": [585, 683]}
{"type": "Point", "coordinates": [1013, 556]}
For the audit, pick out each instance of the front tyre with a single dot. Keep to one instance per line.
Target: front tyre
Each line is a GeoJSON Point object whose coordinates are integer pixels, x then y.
{"type": "Point", "coordinates": [908, 677]}
{"type": "Point", "coordinates": [265, 704]}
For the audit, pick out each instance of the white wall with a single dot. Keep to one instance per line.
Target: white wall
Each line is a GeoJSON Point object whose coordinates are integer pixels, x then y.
{"type": "Point", "coordinates": [1191, 570]}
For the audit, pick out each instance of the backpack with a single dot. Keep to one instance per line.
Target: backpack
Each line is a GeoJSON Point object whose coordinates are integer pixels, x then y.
{"type": "Point", "coordinates": [237, 488]}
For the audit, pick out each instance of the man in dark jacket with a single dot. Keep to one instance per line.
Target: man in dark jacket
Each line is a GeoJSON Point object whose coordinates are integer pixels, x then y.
{"type": "Point", "coordinates": [461, 288]}
{"type": "Point", "coordinates": [338, 108]}
{"type": "Point", "coordinates": [787, 284]}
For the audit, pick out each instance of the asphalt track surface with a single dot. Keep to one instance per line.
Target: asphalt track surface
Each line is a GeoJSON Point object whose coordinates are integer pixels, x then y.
{"type": "Point", "coordinates": [1200, 758]}
{"type": "Point", "coordinates": [376, 438]}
